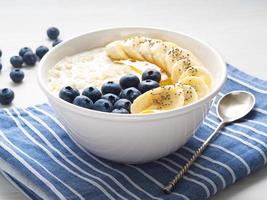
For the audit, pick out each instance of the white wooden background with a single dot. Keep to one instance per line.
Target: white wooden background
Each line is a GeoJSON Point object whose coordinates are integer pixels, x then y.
{"type": "Point", "coordinates": [236, 28]}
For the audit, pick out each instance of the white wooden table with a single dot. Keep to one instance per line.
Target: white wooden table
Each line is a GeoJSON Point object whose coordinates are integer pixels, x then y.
{"type": "Point", "coordinates": [237, 29]}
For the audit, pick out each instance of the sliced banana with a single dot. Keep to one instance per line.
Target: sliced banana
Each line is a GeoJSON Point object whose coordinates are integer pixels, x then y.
{"type": "Point", "coordinates": [199, 72]}
{"type": "Point", "coordinates": [178, 68]}
{"type": "Point", "coordinates": [145, 49]}
{"type": "Point", "coordinates": [179, 65]}
{"type": "Point", "coordinates": [115, 50]}
{"type": "Point", "coordinates": [190, 94]}
{"type": "Point", "coordinates": [162, 98]}
{"type": "Point", "coordinates": [131, 47]}
{"type": "Point", "coordinates": [197, 83]}
{"type": "Point", "coordinates": [160, 50]}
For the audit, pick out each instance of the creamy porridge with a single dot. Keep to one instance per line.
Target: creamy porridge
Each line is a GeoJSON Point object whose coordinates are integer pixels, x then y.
{"type": "Point", "coordinates": [91, 68]}
{"type": "Point", "coordinates": [171, 77]}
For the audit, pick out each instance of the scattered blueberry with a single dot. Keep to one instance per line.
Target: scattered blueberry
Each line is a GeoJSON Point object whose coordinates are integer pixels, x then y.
{"type": "Point", "coordinates": [29, 58]}
{"type": "Point", "coordinates": [151, 74]}
{"type": "Point", "coordinates": [111, 87]}
{"type": "Point", "coordinates": [129, 80]}
{"type": "Point", "coordinates": [130, 94]}
{"type": "Point", "coordinates": [103, 105]}
{"type": "Point", "coordinates": [123, 103]}
{"type": "Point", "coordinates": [23, 50]}
{"type": "Point", "coordinates": [120, 111]}
{"type": "Point", "coordinates": [56, 42]}
{"type": "Point", "coordinates": [0, 53]}
{"type": "Point", "coordinates": [83, 101]}
{"type": "Point", "coordinates": [52, 33]}
{"type": "Point", "coordinates": [1, 66]}
{"type": "Point", "coordinates": [111, 97]}
{"type": "Point", "coordinates": [147, 85]}
{"type": "Point", "coordinates": [16, 61]}
{"type": "Point", "coordinates": [41, 51]}
{"type": "Point", "coordinates": [68, 93]}
{"type": "Point", "coordinates": [92, 93]}
{"type": "Point", "coordinates": [6, 96]}
{"type": "Point", "coordinates": [17, 75]}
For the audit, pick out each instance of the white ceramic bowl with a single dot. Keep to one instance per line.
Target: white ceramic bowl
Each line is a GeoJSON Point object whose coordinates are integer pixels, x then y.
{"type": "Point", "coordinates": [132, 138]}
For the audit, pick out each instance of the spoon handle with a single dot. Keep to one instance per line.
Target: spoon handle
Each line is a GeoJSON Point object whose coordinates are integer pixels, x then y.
{"type": "Point", "coordinates": [171, 185]}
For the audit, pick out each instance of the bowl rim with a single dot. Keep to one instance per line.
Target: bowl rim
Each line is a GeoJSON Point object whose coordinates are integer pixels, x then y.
{"type": "Point", "coordinates": [132, 117]}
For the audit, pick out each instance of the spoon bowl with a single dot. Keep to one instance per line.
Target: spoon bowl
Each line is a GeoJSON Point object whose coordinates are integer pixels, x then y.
{"type": "Point", "coordinates": [235, 105]}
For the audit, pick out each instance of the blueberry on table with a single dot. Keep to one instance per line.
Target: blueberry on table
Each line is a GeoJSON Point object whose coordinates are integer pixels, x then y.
{"type": "Point", "coordinates": [103, 105]}
{"type": "Point", "coordinates": [120, 111]}
{"type": "Point", "coordinates": [68, 93]}
{"type": "Point", "coordinates": [0, 53]}
{"type": "Point", "coordinates": [16, 75]}
{"type": "Point", "coordinates": [29, 58]}
{"type": "Point", "coordinates": [52, 33]}
{"type": "Point", "coordinates": [130, 94]}
{"type": "Point", "coordinates": [111, 87]}
{"type": "Point", "coordinates": [92, 93]}
{"type": "Point", "coordinates": [6, 96]}
{"type": "Point", "coordinates": [111, 97]}
{"type": "Point", "coordinates": [83, 101]}
{"type": "Point", "coordinates": [56, 42]}
{"type": "Point", "coordinates": [1, 66]}
{"type": "Point", "coordinates": [23, 50]}
{"type": "Point", "coordinates": [16, 61]}
{"type": "Point", "coordinates": [41, 51]}
{"type": "Point", "coordinates": [151, 74]}
{"type": "Point", "coordinates": [147, 85]}
{"type": "Point", "coordinates": [129, 80]}
{"type": "Point", "coordinates": [123, 103]}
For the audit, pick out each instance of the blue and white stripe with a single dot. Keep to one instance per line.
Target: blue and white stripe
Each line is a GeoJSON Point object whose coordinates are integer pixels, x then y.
{"type": "Point", "coordinates": [44, 162]}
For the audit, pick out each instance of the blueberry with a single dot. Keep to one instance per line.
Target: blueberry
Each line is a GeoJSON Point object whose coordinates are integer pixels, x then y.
{"type": "Point", "coordinates": [111, 87]}
{"type": "Point", "coordinates": [151, 74]}
{"type": "Point", "coordinates": [56, 42]}
{"type": "Point", "coordinates": [120, 111]}
{"type": "Point", "coordinates": [83, 101]}
{"type": "Point", "coordinates": [68, 93]}
{"type": "Point", "coordinates": [52, 33]}
{"type": "Point", "coordinates": [111, 97]}
{"type": "Point", "coordinates": [16, 61]}
{"type": "Point", "coordinates": [23, 50]}
{"type": "Point", "coordinates": [29, 58]}
{"type": "Point", "coordinates": [17, 75]}
{"type": "Point", "coordinates": [103, 105]}
{"type": "Point", "coordinates": [0, 53]}
{"type": "Point", "coordinates": [92, 93]}
{"type": "Point", "coordinates": [123, 103]}
{"type": "Point", "coordinates": [41, 51]}
{"type": "Point", "coordinates": [6, 96]}
{"type": "Point", "coordinates": [1, 66]}
{"type": "Point", "coordinates": [147, 85]}
{"type": "Point", "coordinates": [130, 94]}
{"type": "Point", "coordinates": [129, 80]}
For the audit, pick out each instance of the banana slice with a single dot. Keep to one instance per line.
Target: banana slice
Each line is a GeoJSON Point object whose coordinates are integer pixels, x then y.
{"type": "Point", "coordinates": [197, 83]}
{"type": "Point", "coordinates": [159, 51]}
{"type": "Point", "coordinates": [145, 49]}
{"type": "Point", "coordinates": [115, 50]}
{"type": "Point", "coordinates": [179, 68]}
{"type": "Point", "coordinates": [199, 72]}
{"type": "Point", "coordinates": [173, 55]}
{"type": "Point", "coordinates": [190, 94]}
{"type": "Point", "coordinates": [132, 47]}
{"type": "Point", "coordinates": [162, 98]}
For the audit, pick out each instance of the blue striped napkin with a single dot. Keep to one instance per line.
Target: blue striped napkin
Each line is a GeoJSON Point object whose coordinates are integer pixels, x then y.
{"type": "Point", "coordinates": [40, 158]}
